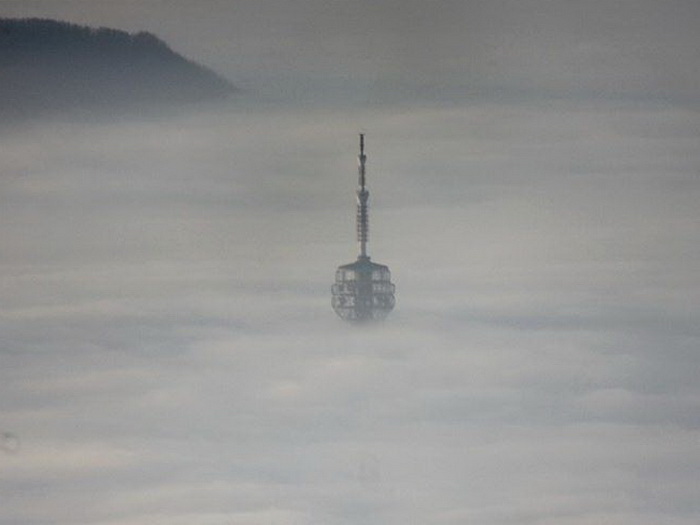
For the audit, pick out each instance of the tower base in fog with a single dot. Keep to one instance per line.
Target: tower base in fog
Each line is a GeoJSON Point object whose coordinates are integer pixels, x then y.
{"type": "Point", "coordinates": [363, 291]}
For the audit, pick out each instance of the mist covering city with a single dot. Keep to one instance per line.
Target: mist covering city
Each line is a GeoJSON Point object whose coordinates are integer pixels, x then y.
{"type": "Point", "coordinates": [168, 350]}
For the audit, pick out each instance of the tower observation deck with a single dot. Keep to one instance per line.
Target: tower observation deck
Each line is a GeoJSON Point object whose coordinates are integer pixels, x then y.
{"type": "Point", "coordinates": [363, 290]}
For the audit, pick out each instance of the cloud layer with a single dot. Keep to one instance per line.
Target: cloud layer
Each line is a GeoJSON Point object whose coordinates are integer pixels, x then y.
{"type": "Point", "coordinates": [170, 356]}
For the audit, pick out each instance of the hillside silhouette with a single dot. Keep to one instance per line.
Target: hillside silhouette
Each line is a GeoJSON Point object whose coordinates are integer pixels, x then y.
{"type": "Point", "coordinates": [47, 66]}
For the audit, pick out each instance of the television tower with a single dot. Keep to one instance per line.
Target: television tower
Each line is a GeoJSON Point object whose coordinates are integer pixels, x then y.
{"type": "Point", "coordinates": [363, 290]}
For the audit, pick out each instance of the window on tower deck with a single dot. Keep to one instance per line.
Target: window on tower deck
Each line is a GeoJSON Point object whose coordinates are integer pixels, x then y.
{"type": "Point", "coordinates": [381, 275]}
{"type": "Point", "coordinates": [345, 275]}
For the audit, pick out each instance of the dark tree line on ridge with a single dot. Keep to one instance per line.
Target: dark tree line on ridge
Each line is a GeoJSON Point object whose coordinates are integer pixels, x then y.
{"type": "Point", "coordinates": [48, 66]}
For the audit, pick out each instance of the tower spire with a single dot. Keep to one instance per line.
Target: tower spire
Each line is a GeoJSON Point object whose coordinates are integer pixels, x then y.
{"type": "Point", "coordinates": [362, 200]}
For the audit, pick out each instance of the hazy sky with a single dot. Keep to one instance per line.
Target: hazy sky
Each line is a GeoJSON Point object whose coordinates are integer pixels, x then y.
{"type": "Point", "coordinates": [168, 354]}
{"type": "Point", "coordinates": [378, 49]}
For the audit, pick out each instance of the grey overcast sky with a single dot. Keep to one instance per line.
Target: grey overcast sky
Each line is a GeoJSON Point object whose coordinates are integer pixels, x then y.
{"type": "Point", "coordinates": [168, 354]}
{"type": "Point", "coordinates": [599, 48]}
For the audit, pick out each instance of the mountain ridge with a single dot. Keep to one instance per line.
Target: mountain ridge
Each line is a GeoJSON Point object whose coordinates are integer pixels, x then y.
{"type": "Point", "coordinates": [50, 66]}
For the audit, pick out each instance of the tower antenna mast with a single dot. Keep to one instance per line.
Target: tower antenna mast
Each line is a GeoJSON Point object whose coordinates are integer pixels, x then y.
{"type": "Point", "coordinates": [362, 202]}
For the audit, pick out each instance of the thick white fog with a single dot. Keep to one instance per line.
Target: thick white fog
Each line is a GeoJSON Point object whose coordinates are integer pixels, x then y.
{"type": "Point", "coordinates": [168, 353]}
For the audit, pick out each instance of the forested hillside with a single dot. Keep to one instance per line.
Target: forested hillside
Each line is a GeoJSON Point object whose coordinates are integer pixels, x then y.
{"type": "Point", "coordinates": [48, 66]}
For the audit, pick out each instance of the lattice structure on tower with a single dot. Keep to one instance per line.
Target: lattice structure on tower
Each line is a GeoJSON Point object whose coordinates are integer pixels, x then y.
{"type": "Point", "coordinates": [363, 290]}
